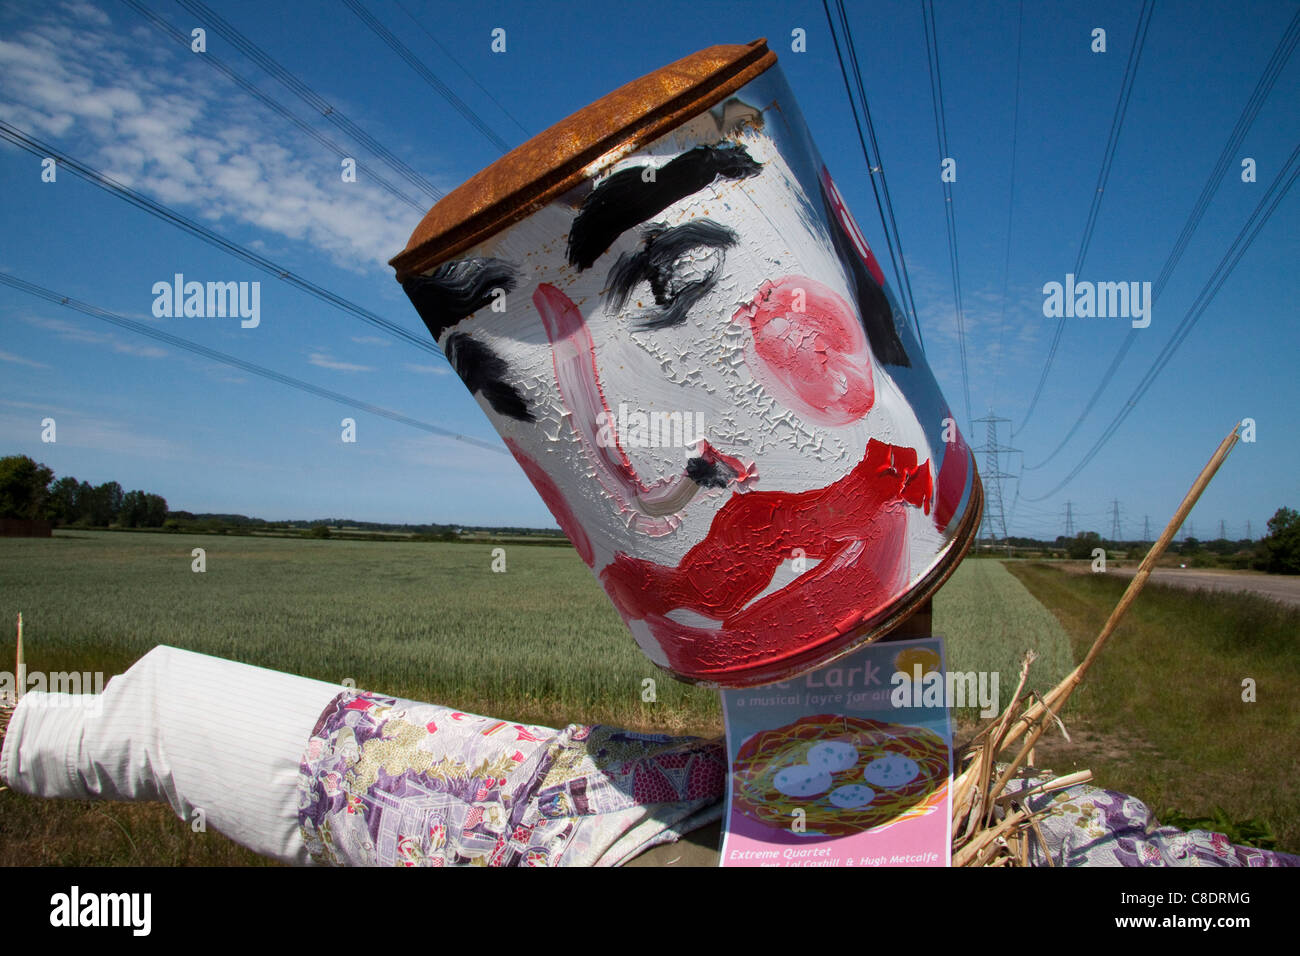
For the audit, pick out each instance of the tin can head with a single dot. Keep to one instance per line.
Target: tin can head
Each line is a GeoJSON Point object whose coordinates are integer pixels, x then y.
{"type": "Point", "coordinates": [691, 351]}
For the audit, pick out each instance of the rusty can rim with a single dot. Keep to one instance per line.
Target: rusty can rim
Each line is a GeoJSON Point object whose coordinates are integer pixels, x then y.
{"type": "Point", "coordinates": [557, 159]}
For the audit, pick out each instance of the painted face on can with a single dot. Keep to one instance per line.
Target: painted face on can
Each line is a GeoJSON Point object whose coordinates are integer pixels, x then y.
{"type": "Point", "coordinates": [690, 357]}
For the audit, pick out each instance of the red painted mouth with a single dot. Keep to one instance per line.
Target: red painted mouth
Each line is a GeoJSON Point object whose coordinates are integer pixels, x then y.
{"type": "Point", "coordinates": [856, 527]}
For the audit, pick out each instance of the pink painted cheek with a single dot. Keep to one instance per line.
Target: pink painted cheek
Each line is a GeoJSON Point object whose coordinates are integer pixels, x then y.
{"type": "Point", "coordinates": [809, 350]}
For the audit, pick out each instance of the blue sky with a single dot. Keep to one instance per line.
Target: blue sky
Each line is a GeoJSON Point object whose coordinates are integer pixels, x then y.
{"type": "Point", "coordinates": [100, 84]}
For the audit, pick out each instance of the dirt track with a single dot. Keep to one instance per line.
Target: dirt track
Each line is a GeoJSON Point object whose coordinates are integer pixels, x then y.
{"type": "Point", "coordinates": [1279, 587]}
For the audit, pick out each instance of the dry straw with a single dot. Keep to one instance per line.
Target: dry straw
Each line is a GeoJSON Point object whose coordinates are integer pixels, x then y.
{"type": "Point", "coordinates": [992, 826]}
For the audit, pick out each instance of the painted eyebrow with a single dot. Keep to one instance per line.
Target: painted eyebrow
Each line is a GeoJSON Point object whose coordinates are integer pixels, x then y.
{"type": "Point", "coordinates": [457, 289]}
{"type": "Point", "coordinates": [654, 264]}
{"type": "Point", "coordinates": [626, 200]}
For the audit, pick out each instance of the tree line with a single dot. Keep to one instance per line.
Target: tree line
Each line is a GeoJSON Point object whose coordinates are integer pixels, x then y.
{"type": "Point", "coordinates": [1277, 553]}
{"type": "Point", "coordinates": [29, 490]}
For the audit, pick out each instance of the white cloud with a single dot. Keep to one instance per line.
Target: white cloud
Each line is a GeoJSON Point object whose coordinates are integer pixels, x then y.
{"type": "Point", "coordinates": [426, 369]}
{"type": "Point", "coordinates": [85, 11]}
{"type": "Point", "coordinates": [160, 121]}
{"type": "Point", "coordinates": [371, 340]}
{"type": "Point", "coordinates": [72, 332]}
{"type": "Point", "coordinates": [447, 456]}
{"type": "Point", "coordinates": [997, 348]}
{"type": "Point", "coordinates": [19, 360]}
{"type": "Point", "coordinates": [326, 361]}
{"type": "Point", "coordinates": [93, 433]}
{"type": "Point", "coordinates": [38, 407]}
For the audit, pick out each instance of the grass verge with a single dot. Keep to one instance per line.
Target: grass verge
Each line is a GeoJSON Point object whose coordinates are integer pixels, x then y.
{"type": "Point", "coordinates": [1161, 713]}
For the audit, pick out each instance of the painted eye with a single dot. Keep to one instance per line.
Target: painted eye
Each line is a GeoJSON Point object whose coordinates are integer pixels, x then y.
{"type": "Point", "coordinates": [677, 267]}
{"type": "Point", "coordinates": [690, 269]}
{"type": "Point", "coordinates": [677, 285]}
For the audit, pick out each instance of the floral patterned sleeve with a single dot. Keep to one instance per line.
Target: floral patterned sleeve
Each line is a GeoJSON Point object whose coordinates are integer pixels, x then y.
{"type": "Point", "coordinates": [1088, 826]}
{"type": "Point", "coordinates": [391, 782]}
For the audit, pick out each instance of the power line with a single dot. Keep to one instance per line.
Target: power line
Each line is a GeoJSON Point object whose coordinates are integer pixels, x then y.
{"type": "Point", "coordinates": [1011, 199]}
{"type": "Point", "coordinates": [308, 95]}
{"type": "Point", "coordinates": [270, 103]}
{"type": "Point", "coordinates": [189, 346]}
{"type": "Point", "coordinates": [447, 53]}
{"type": "Point", "coordinates": [1281, 54]}
{"type": "Point", "coordinates": [1108, 158]}
{"type": "Point", "coordinates": [429, 77]}
{"type": "Point", "coordinates": [157, 209]}
{"type": "Point", "coordinates": [950, 213]}
{"type": "Point", "coordinates": [1245, 238]}
{"type": "Point", "coordinates": [1276, 63]}
{"type": "Point", "coordinates": [1117, 124]}
{"type": "Point", "coordinates": [883, 205]}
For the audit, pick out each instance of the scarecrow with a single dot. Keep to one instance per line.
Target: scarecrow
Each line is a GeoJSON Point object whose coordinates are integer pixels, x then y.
{"type": "Point", "coordinates": [665, 308]}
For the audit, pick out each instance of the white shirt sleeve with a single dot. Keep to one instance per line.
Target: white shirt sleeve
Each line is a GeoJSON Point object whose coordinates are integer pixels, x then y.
{"type": "Point", "coordinates": [193, 731]}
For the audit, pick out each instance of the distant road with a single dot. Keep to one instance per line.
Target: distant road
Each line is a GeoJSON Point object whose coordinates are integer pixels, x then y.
{"type": "Point", "coordinates": [1279, 587]}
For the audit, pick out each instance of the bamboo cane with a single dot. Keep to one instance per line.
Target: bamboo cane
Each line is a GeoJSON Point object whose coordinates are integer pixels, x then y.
{"type": "Point", "coordinates": [1061, 693]}
{"type": "Point", "coordinates": [1047, 851]}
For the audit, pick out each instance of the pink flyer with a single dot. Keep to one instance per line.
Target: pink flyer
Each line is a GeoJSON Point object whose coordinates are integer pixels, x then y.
{"type": "Point", "coordinates": [849, 765]}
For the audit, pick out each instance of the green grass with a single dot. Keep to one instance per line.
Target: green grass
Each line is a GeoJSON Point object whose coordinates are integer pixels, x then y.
{"type": "Point", "coordinates": [36, 832]}
{"type": "Point", "coordinates": [429, 621]}
{"type": "Point", "coordinates": [1164, 699]}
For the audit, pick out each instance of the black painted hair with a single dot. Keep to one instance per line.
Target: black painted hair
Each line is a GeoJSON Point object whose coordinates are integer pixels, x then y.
{"type": "Point", "coordinates": [631, 196]}
{"type": "Point", "coordinates": [457, 289]}
{"type": "Point", "coordinates": [873, 305]}
{"type": "Point", "coordinates": [483, 371]}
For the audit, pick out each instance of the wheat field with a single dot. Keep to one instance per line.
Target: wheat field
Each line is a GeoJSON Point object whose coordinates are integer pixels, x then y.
{"type": "Point", "coordinates": [431, 621]}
